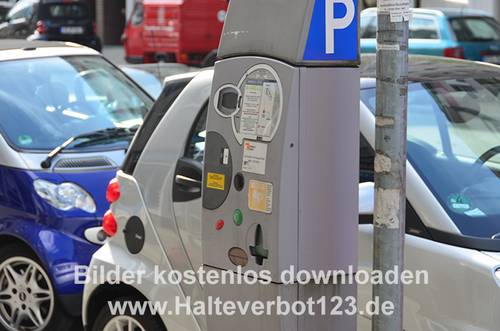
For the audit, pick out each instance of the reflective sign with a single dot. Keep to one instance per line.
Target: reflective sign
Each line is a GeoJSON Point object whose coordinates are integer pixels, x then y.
{"type": "Point", "coordinates": [333, 33]}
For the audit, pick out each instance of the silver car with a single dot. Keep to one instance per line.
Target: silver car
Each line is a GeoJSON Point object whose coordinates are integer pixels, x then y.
{"type": "Point", "coordinates": [453, 214]}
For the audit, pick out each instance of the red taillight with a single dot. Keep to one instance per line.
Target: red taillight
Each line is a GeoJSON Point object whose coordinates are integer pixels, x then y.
{"type": "Point", "coordinates": [40, 27]}
{"type": "Point", "coordinates": [109, 224]}
{"type": "Point", "coordinates": [113, 191]}
{"type": "Point", "coordinates": [94, 28]}
{"type": "Point", "coordinates": [455, 52]}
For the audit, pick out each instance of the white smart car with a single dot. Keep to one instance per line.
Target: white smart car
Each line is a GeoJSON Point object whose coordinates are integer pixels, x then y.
{"type": "Point", "coordinates": [453, 214]}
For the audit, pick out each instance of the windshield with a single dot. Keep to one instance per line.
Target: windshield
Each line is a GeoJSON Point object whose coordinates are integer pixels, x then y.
{"type": "Point", "coordinates": [45, 101]}
{"type": "Point", "coordinates": [476, 29]}
{"type": "Point", "coordinates": [454, 145]}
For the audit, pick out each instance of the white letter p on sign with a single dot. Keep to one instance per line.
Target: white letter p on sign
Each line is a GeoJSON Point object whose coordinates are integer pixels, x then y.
{"type": "Point", "coordinates": [333, 23]}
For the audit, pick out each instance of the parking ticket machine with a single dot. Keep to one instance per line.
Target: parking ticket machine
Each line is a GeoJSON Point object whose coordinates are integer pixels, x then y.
{"type": "Point", "coordinates": [280, 187]}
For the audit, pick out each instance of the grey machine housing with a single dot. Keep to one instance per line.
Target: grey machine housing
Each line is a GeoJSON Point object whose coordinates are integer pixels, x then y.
{"type": "Point", "coordinates": [294, 178]}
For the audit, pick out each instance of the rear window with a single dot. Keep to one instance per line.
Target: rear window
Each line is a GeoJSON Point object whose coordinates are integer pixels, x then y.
{"type": "Point", "coordinates": [65, 10]}
{"type": "Point", "coordinates": [476, 29]}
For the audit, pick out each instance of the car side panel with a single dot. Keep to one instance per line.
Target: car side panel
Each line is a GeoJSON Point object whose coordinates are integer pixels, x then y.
{"type": "Point", "coordinates": [461, 294]}
{"type": "Point", "coordinates": [148, 268]}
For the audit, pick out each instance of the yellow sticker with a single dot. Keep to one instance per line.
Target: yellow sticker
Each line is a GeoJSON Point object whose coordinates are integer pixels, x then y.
{"type": "Point", "coordinates": [260, 196]}
{"type": "Point", "coordinates": [215, 181]}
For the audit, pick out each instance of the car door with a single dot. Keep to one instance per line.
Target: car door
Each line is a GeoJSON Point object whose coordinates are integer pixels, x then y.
{"type": "Point", "coordinates": [187, 190]}
{"type": "Point", "coordinates": [169, 175]}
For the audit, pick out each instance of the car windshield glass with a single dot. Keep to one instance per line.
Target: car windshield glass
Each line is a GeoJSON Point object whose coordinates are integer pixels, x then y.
{"type": "Point", "coordinates": [65, 10]}
{"type": "Point", "coordinates": [45, 101]}
{"type": "Point", "coordinates": [454, 145]}
{"type": "Point", "coordinates": [476, 29]}
{"type": "Point", "coordinates": [146, 80]}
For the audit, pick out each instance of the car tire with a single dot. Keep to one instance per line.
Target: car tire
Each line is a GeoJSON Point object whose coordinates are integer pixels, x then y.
{"type": "Point", "coordinates": [105, 321]}
{"type": "Point", "coordinates": [23, 282]}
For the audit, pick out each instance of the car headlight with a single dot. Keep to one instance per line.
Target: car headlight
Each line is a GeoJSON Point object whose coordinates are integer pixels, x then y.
{"type": "Point", "coordinates": [64, 196]}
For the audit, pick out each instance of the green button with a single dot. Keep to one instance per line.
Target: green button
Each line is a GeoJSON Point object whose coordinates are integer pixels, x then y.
{"type": "Point", "coordinates": [238, 217]}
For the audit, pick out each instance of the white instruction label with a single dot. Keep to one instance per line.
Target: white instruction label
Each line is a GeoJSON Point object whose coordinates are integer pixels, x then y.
{"type": "Point", "coordinates": [260, 196]}
{"type": "Point", "coordinates": [265, 127]}
{"type": "Point", "coordinates": [254, 157]}
{"type": "Point", "coordinates": [400, 10]}
{"type": "Point", "coordinates": [250, 109]}
{"type": "Point", "coordinates": [257, 109]}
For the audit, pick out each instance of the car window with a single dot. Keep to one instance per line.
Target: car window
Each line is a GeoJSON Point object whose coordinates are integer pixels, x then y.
{"type": "Point", "coordinates": [369, 27]}
{"type": "Point", "coordinates": [195, 149]}
{"type": "Point", "coordinates": [170, 92]}
{"type": "Point", "coordinates": [366, 161]}
{"type": "Point", "coordinates": [64, 10]}
{"type": "Point", "coordinates": [21, 10]}
{"type": "Point", "coordinates": [423, 28]}
{"type": "Point", "coordinates": [453, 144]}
{"type": "Point", "coordinates": [138, 14]}
{"type": "Point", "coordinates": [476, 29]}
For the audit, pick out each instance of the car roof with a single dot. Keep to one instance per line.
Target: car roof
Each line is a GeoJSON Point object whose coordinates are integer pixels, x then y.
{"type": "Point", "coordinates": [424, 68]}
{"type": "Point", "coordinates": [15, 49]}
{"type": "Point", "coordinates": [438, 11]}
{"type": "Point", "coordinates": [433, 68]}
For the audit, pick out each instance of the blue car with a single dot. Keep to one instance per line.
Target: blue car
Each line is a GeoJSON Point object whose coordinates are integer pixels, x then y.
{"type": "Point", "coordinates": [67, 116]}
{"type": "Point", "coordinates": [457, 33]}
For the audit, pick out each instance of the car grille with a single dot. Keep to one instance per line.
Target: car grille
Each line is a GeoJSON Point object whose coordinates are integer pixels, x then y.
{"type": "Point", "coordinates": [79, 163]}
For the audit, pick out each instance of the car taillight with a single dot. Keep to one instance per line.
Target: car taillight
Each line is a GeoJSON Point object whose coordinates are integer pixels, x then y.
{"type": "Point", "coordinates": [113, 191]}
{"type": "Point", "coordinates": [94, 28]}
{"type": "Point", "coordinates": [455, 52]}
{"type": "Point", "coordinates": [40, 27]}
{"type": "Point", "coordinates": [109, 225]}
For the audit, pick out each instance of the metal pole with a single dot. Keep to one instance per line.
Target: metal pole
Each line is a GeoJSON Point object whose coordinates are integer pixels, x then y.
{"type": "Point", "coordinates": [390, 160]}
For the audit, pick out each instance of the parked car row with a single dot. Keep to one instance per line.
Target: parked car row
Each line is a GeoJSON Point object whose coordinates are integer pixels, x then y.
{"type": "Point", "coordinates": [457, 33]}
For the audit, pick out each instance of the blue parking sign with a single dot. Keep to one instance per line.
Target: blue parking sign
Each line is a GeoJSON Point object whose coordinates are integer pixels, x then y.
{"type": "Point", "coordinates": [333, 33]}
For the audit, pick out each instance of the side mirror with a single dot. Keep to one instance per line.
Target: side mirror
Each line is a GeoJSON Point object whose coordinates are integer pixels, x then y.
{"type": "Point", "coordinates": [366, 198]}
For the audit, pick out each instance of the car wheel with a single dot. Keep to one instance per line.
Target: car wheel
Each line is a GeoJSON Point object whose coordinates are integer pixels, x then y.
{"type": "Point", "coordinates": [27, 299]}
{"type": "Point", "coordinates": [106, 321]}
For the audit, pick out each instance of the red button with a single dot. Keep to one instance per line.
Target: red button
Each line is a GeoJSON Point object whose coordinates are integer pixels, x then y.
{"type": "Point", "coordinates": [219, 225]}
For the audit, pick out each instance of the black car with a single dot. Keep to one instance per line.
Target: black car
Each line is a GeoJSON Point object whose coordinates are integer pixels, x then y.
{"type": "Point", "coordinates": [62, 20]}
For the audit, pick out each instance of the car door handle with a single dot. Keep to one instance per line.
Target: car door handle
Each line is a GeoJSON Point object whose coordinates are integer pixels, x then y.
{"type": "Point", "coordinates": [188, 178]}
{"type": "Point", "coordinates": [187, 181]}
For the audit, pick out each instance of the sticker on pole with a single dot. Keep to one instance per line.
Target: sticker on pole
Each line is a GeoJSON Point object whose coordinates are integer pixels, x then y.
{"type": "Point", "coordinates": [400, 10]}
{"type": "Point", "coordinates": [333, 32]}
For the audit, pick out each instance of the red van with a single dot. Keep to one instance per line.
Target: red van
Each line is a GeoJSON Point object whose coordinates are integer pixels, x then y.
{"type": "Point", "coordinates": [183, 31]}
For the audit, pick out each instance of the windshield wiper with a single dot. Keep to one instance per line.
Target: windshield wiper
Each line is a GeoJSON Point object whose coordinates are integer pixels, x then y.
{"type": "Point", "coordinates": [92, 137]}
